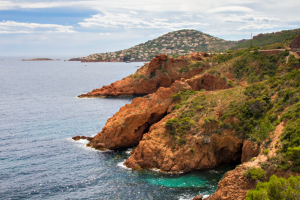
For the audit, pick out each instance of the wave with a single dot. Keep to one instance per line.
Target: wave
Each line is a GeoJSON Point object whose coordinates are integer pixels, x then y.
{"type": "Point", "coordinates": [121, 164]}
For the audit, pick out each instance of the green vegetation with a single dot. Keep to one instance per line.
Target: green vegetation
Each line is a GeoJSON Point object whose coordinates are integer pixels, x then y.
{"type": "Point", "coordinates": [273, 86]}
{"type": "Point", "coordinates": [256, 66]}
{"type": "Point", "coordinates": [152, 74]}
{"type": "Point", "coordinates": [270, 38]}
{"type": "Point", "coordinates": [266, 151]}
{"type": "Point", "coordinates": [184, 69]}
{"type": "Point", "coordinates": [276, 189]}
{"type": "Point", "coordinates": [255, 173]}
{"type": "Point", "coordinates": [177, 96]}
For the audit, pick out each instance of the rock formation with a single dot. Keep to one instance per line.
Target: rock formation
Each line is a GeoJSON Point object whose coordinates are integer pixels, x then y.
{"type": "Point", "coordinates": [295, 44]}
{"type": "Point", "coordinates": [160, 150]}
{"type": "Point", "coordinates": [233, 186]}
{"type": "Point", "coordinates": [160, 72]}
{"type": "Point", "coordinates": [176, 129]}
{"type": "Point", "coordinates": [126, 127]}
{"type": "Point", "coordinates": [250, 150]}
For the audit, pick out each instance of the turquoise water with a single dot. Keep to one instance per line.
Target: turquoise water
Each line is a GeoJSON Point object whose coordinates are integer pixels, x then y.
{"type": "Point", "coordinates": [39, 113]}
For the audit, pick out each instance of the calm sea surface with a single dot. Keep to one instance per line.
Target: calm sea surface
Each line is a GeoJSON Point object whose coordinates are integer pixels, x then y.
{"type": "Point", "coordinates": [39, 113]}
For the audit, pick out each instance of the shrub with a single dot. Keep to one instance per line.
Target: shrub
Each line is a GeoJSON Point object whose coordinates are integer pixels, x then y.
{"type": "Point", "coordinates": [152, 74]}
{"type": "Point", "coordinates": [276, 188]}
{"type": "Point", "coordinates": [184, 69]}
{"type": "Point", "coordinates": [294, 155]}
{"type": "Point", "coordinates": [199, 107]}
{"type": "Point", "coordinates": [192, 150]}
{"type": "Point", "coordinates": [209, 120]}
{"type": "Point", "coordinates": [177, 96]}
{"type": "Point", "coordinates": [255, 173]}
{"type": "Point", "coordinates": [230, 83]}
{"type": "Point", "coordinates": [176, 107]}
{"type": "Point", "coordinates": [197, 65]}
{"type": "Point", "coordinates": [181, 141]}
{"type": "Point", "coordinates": [266, 151]}
{"type": "Point", "coordinates": [172, 123]}
{"type": "Point", "coordinates": [252, 78]}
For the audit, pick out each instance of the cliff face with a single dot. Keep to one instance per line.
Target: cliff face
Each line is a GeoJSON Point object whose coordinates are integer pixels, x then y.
{"type": "Point", "coordinates": [160, 72]}
{"type": "Point", "coordinates": [126, 127]}
{"type": "Point", "coordinates": [233, 186]}
{"type": "Point", "coordinates": [160, 150]}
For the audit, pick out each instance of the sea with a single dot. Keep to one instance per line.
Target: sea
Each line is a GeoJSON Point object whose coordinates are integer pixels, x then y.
{"type": "Point", "coordinates": [40, 113]}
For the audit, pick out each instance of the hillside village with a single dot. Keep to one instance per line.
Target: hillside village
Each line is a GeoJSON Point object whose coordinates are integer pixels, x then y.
{"type": "Point", "coordinates": [174, 43]}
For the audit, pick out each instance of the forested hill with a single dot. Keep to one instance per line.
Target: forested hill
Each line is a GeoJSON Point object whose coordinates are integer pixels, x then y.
{"type": "Point", "coordinates": [269, 38]}
{"type": "Point", "coordinates": [180, 42]}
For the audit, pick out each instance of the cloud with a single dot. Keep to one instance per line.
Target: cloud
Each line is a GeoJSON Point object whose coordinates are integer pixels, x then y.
{"type": "Point", "coordinates": [22, 27]}
{"type": "Point", "coordinates": [199, 16]}
{"type": "Point", "coordinates": [104, 33]}
{"type": "Point", "coordinates": [249, 18]}
{"type": "Point", "coordinates": [121, 20]}
{"type": "Point", "coordinates": [259, 26]}
{"type": "Point", "coordinates": [229, 9]}
{"type": "Point", "coordinates": [132, 12]}
{"type": "Point", "coordinates": [189, 16]}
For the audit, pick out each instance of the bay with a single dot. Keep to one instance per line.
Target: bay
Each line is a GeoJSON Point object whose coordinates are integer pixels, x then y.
{"type": "Point", "coordinates": [40, 112]}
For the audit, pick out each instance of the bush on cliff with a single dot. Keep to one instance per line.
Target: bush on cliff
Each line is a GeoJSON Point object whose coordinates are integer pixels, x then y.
{"type": "Point", "coordinates": [276, 189]}
{"type": "Point", "coordinates": [256, 66]}
{"type": "Point", "coordinates": [176, 97]}
{"type": "Point", "coordinates": [293, 62]}
{"type": "Point", "coordinates": [255, 173]}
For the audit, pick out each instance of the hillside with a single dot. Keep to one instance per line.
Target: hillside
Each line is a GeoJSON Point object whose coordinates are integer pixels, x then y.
{"type": "Point", "coordinates": [241, 106]}
{"type": "Point", "coordinates": [283, 38]}
{"type": "Point", "coordinates": [180, 42]}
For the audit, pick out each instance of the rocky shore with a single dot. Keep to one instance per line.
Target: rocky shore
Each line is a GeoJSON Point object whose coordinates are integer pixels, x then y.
{"type": "Point", "coordinates": [194, 115]}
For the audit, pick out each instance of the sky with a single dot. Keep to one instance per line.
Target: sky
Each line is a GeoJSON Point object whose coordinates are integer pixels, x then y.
{"type": "Point", "coordinates": [80, 28]}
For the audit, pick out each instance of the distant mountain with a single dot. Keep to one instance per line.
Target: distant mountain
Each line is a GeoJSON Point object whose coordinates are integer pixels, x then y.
{"type": "Point", "coordinates": [180, 42]}
{"type": "Point", "coordinates": [283, 37]}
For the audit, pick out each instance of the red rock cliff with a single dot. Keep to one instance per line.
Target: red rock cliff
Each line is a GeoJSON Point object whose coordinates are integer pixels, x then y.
{"type": "Point", "coordinates": [126, 127]}
{"type": "Point", "coordinates": [160, 72]}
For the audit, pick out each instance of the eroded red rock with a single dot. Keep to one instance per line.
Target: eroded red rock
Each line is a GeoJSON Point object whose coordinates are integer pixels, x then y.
{"type": "Point", "coordinates": [78, 137]}
{"type": "Point", "coordinates": [234, 185]}
{"type": "Point", "coordinates": [126, 127]}
{"type": "Point", "coordinates": [158, 149]}
{"type": "Point", "coordinates": [250, 150]}
{"type": "Point", "coordinates": [162, 71]}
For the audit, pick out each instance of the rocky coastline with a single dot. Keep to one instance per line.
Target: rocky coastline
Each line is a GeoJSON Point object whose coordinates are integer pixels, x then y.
{"type": "Point", "coordinates": [185, 119]}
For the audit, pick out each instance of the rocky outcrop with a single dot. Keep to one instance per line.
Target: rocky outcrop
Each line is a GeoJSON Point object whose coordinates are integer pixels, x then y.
{"type": "Point", "coordinates": [208, 82]}
{"type": "Point", "coordinates": [160, 72]}
{"type": "Point", "coordinates": [159, 149]}
{"type": "Point", "coordinates": [126, 127]}
{"type": "Point", "coordinates": [78, 137]}
{"type": "Point", "coordinates": [295, 44]}
{"type": "Point", "coordinates": [234, 185]}
{"type": "Point", "coordinates": [199, 197]}
{"type": "Point", "coordinates": [250, 150]}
